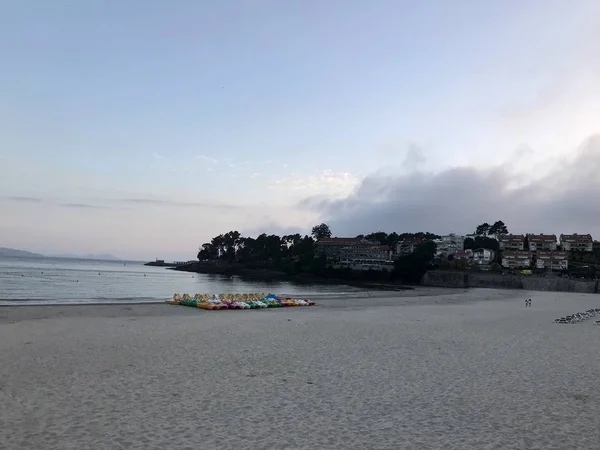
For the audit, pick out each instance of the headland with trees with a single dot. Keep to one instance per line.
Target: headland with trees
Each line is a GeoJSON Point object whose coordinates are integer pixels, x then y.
{"type": "Point", "coordinates": [294, 256]}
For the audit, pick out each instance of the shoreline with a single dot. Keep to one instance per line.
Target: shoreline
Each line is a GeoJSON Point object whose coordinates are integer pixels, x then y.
{"type": "Point", "coordinates": [299, 278]}
{"type": "Point", "coordinates": [323, 297]}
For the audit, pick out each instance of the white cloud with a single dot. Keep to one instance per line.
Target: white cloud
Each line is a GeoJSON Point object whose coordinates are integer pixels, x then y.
{"type": "Point", "coordinates": [207, 158]}
{"type": "Point", "coordinates": [334, 184]}
{"type": "Point", "coordinates": [563, 200]}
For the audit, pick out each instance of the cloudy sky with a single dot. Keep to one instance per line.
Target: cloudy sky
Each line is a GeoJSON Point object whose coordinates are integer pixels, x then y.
{"type": "Point", "coordinates": [143, 128]}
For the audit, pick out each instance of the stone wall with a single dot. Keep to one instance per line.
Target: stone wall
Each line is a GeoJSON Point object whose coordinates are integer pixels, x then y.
{"type": "Point", "coordinates": [489, 280]}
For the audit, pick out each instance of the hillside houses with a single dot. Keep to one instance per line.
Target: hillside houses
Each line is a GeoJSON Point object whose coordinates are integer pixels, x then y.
{"type": "Point", "coordinates": [552, 260]}
{"type": "Point", "coordinates": [513, 252]}
{"type": "Point", "coordinates": [336, 249]}
{"type": "Point", "coordinates": [512, 242]}
{"type": "Point", "coordinates": [483, 257]}
{"type": "Point", "coordinates": [408, 246]}
{"type": "Point", "coordinates": [449, 244]}
{"type": "Point", "coordinates": [516, 259]}
{"type": "Point", "coordinates": [545, 242]}
{"type": "Point", "coordinates": [576, 242]}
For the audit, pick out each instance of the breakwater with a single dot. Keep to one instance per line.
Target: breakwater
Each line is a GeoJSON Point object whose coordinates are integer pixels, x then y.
{"type": "Point", "coordinates": [443, 278]}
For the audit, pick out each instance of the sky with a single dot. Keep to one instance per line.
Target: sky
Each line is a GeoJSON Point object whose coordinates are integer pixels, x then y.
{"type": "Point", "coordinates": [144, 128]}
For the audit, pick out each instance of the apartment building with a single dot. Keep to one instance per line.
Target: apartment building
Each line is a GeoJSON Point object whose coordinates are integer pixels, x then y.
{"type": "Point", "coordinates": [543, 242]}
{"type": "Point", "coordinates": [365, 252]}
{"type": "Point", "coordinates": [463, 254]}
{"type": "Point", "coordinates": [408, 246]}
{"type": "Point", "coordinates": [576, 242]}
{"type": "Point", "coordinates": [512, 242]}
{"type": "Point", "coordinates": [515, 259]}
{"type": "Point", "coordinates": [552, 260]}
{"type": "Point", "coordinates": [483, 257]}
{"type": "Point", "coordinates": [331, 248]}
{"type": "Point", "coordinates": [449, 244]}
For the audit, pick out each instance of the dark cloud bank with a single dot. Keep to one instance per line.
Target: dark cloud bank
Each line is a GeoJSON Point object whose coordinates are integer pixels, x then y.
{"type": "Point", "coordinates": [567, 200]}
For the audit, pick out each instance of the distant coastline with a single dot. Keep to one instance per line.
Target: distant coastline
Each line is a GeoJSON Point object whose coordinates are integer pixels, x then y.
{"type": "Point", "coordinates": [16, 253]}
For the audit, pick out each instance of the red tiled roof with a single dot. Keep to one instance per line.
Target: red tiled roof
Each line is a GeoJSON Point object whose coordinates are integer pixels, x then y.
{"type": "Point", "coordinates": [341, 241]}
{"type": "Point", "coordinates": [576, 237]}
{"type": "Point", "coordinates": [370, 246]}
{"type": "Point", "coordinates": [541, 237]}
{"type": "Point", "coordinates": [516, 254]}
{"type": "Point", "coordinates": [550, 255]}
{"type": "Point", "coordinates": [413, 241]}
{"type": "Point", "coordinates": [512, 238]}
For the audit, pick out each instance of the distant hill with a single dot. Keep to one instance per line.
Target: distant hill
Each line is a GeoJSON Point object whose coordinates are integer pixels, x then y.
{"type": "Point", "coordinates": [18, 253]}
{"type": "Point", "coordinates": [104, 257]}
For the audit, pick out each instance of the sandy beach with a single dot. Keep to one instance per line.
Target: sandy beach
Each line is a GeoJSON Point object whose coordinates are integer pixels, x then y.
{"type": "Point", "coordinates": [422, 369]}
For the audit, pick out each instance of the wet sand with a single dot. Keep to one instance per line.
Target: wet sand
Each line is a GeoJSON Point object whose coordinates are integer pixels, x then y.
{"type": "Point", "coordinates": [423, 369]}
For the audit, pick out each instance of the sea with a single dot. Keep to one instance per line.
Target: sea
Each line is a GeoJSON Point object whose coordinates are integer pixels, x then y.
{"type": "Point", "coordinates": [40, 281]}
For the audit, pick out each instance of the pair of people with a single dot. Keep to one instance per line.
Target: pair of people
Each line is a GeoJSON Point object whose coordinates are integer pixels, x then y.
{"type": "Point", "coordinates": [528, 303]}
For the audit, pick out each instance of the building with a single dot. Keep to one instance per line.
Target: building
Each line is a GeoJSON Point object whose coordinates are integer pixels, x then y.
{"type": "Point", "coordinates": [408, 246]}
{"type": "Point", "coordinates": [576, 242]}
{"type": "Point", "coordinates": [512, 242]}
{"type": "Point", "coordinates": [332, 247]}
{"type": "Point", "coordinates": [552, 260]}
{"type": "Point", "coordinates": [544, 242]}
{"type": "Point", "coordinates": [365, 252]}
{"type": "Point", "coordinates": [448, 245]}
{"type": "Point", "coordinates": [515, 259]}
{"type": "Point", "coordinates": [483, 257]}
{"type": "Point", "coordinates": [350, 249]}
{"type": "Point", "coordinates": [463, 254]}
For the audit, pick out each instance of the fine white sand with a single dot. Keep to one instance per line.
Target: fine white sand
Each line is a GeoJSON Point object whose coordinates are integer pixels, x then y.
{"type": "Point", "coordinates": [427, 369]}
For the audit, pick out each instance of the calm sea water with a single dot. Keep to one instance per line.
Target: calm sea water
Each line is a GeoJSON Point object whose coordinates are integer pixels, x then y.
{"type": "Point", "coordinates": [61, 280]}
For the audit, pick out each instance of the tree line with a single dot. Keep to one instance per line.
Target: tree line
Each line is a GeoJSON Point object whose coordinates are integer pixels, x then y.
{"type": "Point", "coordinates": [295, 254]}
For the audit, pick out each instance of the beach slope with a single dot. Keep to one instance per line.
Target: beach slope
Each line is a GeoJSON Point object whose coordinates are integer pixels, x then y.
{"type": "Point", "coordinates": [456, 370]}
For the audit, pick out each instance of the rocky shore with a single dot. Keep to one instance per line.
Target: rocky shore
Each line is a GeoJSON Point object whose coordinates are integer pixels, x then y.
{"type": "Point", "coordinates": [275, 275]}
{"type": "Point", "coordinates": [451, 279]}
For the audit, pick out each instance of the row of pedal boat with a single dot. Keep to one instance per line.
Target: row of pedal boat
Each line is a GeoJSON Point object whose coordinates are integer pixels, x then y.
{"type": "Point", "coordinates": [237, 301]}
{"type": "Point", "coordinates": [579, 316]}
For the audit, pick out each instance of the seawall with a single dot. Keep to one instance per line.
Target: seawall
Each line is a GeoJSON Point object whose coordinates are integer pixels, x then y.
{"type": "Point", "coordinates": [441, 278]}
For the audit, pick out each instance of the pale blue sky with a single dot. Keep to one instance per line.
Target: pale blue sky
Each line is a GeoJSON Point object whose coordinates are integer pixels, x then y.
{"type": "Point", "coordinates": [237, 110]}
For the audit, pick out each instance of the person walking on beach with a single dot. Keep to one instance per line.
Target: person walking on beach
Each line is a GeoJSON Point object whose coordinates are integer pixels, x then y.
{"type": "Point", "coordinates": [530, 303]}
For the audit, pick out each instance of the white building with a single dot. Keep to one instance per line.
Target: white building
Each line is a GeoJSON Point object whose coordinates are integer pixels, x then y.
{"type": "Point", "coordinates": [543, 242]}
{"type": "Point", "coordinates": [576, 242]}
{"type": "Point", "coordinates": [552, 260]}
{"type": "Point", "coordinates": [450, 244]}
{"type": "Point", "coordinates": [483, 257]}
{"type": "Point", "coordinates": [516, 259]}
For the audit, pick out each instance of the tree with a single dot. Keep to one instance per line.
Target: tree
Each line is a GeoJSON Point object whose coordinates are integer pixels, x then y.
{"type": "Point", "coordinates": [412, 267]}
{"type": "Point", "coordinates": [393, 239]}
{"type": "Point", "coordinates": [495, 267]}
{"type": "Point", "coordinates": [208, 252]}
{"type": "Point", "coordinates": [231, 242]}
{"type": "Point", "coordinates": [380, 236]}
{"type": "Point", "coordinates": [498, 228]}
{"type": "Point", "coordinates": [483, 229]}
{"type": "Point", "coordinates": [321, 231]}
{"type": "Point", "coordinates": [481, 242]}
